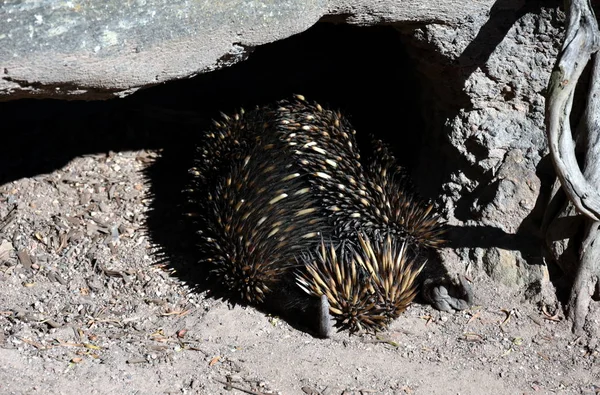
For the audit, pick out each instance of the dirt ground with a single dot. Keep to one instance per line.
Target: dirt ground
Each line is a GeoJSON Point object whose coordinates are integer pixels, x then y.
{"type": "Point", "coordinates": [84, 309]}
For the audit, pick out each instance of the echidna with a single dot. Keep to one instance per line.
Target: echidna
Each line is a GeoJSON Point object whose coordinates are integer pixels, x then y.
{"type": "Point", "coordinates": [375, 215]}
{"type": "Point", "coordinates": [270, 182]}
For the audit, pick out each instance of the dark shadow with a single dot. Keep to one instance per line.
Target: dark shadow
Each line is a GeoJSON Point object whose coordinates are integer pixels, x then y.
{"type": "Point", "coordinates": [40, 136]}
{"type": "Point", "coordinates": [489, 236]}
{"type": "Point", "coordinates": [502, 17]}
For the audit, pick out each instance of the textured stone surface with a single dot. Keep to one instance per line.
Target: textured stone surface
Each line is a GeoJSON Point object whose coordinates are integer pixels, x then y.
{"type": "Point", "coordinates": [488, 126]}
{"type": "Point", "coordinates": [101, 48]}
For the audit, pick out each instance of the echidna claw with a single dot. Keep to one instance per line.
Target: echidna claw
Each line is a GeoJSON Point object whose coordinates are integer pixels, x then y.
{"type": "Point", "coordinates": [324, 324]}
{"type": "Point", "coordinates": [447, 296]}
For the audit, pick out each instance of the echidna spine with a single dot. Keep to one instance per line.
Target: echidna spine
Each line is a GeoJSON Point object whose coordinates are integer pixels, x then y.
{"type": "Point", "coordinates": [252, 217]}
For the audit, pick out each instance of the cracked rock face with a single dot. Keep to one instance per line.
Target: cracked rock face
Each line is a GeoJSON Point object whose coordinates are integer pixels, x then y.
{"type": "Point", "coordinates": [99, 49]}
{"type": "Point", "coordinates": [493, 133]}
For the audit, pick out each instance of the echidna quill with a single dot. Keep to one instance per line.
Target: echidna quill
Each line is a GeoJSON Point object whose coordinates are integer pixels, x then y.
{"type": "Point", "coordinates": [367, 287]}
{"type": "Point", "coordinates": [376, 198]}
{"type": "Point", "coordinates": [253, 213]}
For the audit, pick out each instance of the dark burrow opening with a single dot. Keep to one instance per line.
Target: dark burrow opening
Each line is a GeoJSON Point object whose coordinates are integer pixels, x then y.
{"type": "Point", "coordinates": [363, 71]}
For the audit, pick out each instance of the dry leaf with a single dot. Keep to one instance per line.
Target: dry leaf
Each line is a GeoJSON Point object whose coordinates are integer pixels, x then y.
{"type": "Point", "coordinates": [5, 248]}
{"type": "Point", "coordinates": [91, 346]}
{"type": "Point", "coordinates": [214, 360]}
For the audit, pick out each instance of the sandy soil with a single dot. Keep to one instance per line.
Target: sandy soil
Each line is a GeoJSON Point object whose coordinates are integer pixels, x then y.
{"type": "Point", "coordinates": [83, 310]}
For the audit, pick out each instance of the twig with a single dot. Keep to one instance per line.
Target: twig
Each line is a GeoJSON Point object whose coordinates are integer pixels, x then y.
{"type": "Point", "coordinates": [235, 387]}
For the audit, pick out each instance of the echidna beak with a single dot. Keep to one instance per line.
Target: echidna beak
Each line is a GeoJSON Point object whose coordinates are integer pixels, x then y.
{"type": "Point", "coordinates": [324, 325]}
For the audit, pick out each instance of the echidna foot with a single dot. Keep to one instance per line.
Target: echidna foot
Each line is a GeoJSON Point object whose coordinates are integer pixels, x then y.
{"type": "Point", "coordinates": [445, 295]}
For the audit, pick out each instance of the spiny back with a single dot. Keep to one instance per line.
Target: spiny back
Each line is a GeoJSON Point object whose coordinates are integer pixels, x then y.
{"type": "Point", "coordinates": [377, 199]}
{"type": "Point", "coordinates": [255, 216]}
{"type": "Point", "coordinates": [228, 139]}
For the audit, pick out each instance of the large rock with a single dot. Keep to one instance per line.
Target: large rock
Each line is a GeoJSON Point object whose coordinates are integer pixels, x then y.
{"type": "Point", "coordinates": [98, 48]}
{"type": "Point", "coordinates": [485, 88]}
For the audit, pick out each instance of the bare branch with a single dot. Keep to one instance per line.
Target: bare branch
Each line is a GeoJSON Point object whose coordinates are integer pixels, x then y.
{"type": "Point", "coordinates": [591, 127]}
{"type": "Point", "coordinates": [586, 279]}
{"type": "Point", "coordinates": [581, 41]}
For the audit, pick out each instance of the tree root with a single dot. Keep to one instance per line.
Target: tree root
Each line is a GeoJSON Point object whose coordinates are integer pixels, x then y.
{"type": "Point", "coordinates": [586, 283]}
{"type": "Point", "coordinates": [582, 188]}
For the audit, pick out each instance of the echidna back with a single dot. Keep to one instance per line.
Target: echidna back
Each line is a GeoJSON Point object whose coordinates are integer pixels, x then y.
{"type": "Point", "coordinates": [256, 216]}
{"type": "Point", "coordinates": [376, 199]}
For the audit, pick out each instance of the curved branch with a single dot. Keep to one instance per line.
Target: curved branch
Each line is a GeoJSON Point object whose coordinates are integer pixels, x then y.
{"type": "Point", "coordinates": [581, 187]}
{"type": "Point", "coordinates": [581, 41]}
{"type": "Point", "coordinates": [591, 126]}
{"type": "Point", "coordinates": [588, 276]}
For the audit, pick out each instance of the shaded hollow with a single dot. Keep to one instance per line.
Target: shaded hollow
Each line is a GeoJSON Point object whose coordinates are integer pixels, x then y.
{"type": "Point", "coordinates": [363, 71]}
